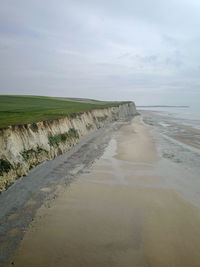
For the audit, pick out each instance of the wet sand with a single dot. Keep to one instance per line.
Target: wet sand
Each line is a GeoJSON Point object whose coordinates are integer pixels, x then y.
{"type": "Point", "coordinates": [122, 212]}
{"type": "Point", "coordinates": [174, 128]}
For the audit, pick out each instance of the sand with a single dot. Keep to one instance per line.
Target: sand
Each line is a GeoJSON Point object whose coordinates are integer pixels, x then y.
{"type": "Point", "coordinates": [117, 214]}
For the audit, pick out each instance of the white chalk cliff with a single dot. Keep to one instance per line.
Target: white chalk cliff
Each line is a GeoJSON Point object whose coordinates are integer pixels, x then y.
{"type": "Point", "coordinates": [24, 146]}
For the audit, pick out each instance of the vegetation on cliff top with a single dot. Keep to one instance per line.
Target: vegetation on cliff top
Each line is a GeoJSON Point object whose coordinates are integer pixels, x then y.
{"type": "Point", "coordinates": [19, 110]}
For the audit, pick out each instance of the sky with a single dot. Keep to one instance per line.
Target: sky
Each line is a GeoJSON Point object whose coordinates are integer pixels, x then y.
{"type": "Point", "coordinates": [145, 51]}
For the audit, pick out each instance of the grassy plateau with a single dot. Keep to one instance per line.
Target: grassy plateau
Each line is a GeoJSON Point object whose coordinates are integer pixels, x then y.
{"type": "Point", "coordinates": [19, 110]}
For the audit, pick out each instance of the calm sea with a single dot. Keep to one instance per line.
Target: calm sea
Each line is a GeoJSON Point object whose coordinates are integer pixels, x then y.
{"type": "Point", "coordinates": [187, 116]}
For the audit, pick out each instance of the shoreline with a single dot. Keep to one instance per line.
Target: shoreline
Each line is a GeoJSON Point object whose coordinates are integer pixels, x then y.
{"type": "Point", "coordinates": [180, 131]}
{"type": "Point", "coordinates": [128, 208]}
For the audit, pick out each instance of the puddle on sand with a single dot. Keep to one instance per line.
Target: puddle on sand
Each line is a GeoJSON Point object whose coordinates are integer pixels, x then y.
{"type": "Point", "coordinates": [110, 150]}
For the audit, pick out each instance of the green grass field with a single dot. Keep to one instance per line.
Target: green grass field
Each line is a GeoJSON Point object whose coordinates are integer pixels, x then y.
{"type": "Point", "coordinates": [18, 110]}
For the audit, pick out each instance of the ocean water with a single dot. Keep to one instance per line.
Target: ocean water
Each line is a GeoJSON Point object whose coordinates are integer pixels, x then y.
{"type": "Point", "coordinates": [186, 116]}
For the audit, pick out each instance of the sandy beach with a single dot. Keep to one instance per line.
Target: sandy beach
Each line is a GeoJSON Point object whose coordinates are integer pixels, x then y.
{"type": "Point", "coordinates": [125, 210]}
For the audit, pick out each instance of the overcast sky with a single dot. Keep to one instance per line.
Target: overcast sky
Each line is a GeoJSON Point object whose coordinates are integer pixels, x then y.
{"type": "Point", "coordinates": [145, 50]}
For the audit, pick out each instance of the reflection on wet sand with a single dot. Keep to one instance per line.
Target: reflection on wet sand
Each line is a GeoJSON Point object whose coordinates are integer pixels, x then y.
{"type": "Point", "coordinates": [117, 216]}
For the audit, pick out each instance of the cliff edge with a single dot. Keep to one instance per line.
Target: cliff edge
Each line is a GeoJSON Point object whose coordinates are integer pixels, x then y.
{"type": "Point", "coordinates": [24, 146]}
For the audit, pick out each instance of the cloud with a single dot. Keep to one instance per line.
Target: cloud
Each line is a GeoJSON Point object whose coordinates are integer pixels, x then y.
{"type": "Point", "coordinates": [98, 48]}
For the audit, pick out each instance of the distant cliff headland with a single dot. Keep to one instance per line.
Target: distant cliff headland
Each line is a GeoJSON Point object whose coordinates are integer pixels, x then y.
{"type": "Point", "coordinates": [34, 128]}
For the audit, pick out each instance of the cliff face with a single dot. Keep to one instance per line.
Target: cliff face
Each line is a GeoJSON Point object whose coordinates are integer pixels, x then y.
{"type": "Point", "coordinates": [23, 147]}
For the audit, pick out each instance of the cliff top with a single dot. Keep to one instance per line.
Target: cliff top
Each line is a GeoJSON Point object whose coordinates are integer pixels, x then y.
{"type": "Point", "coordinates": [21, 109]}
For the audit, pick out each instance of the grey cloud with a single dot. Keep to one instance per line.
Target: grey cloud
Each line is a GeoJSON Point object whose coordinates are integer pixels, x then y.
{"type": "Point", "coordinates": [175, 59]}
{"type": "Point", "coordinates": [93, 48]}
{"type": "Point", "coordinates": [146, 59]}
{"type": "Point", "coordinates": [170, 41]}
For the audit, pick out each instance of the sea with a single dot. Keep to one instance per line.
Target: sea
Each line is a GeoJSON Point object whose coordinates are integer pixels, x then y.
{"type": "Point", "coordinates": [184, 115]}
